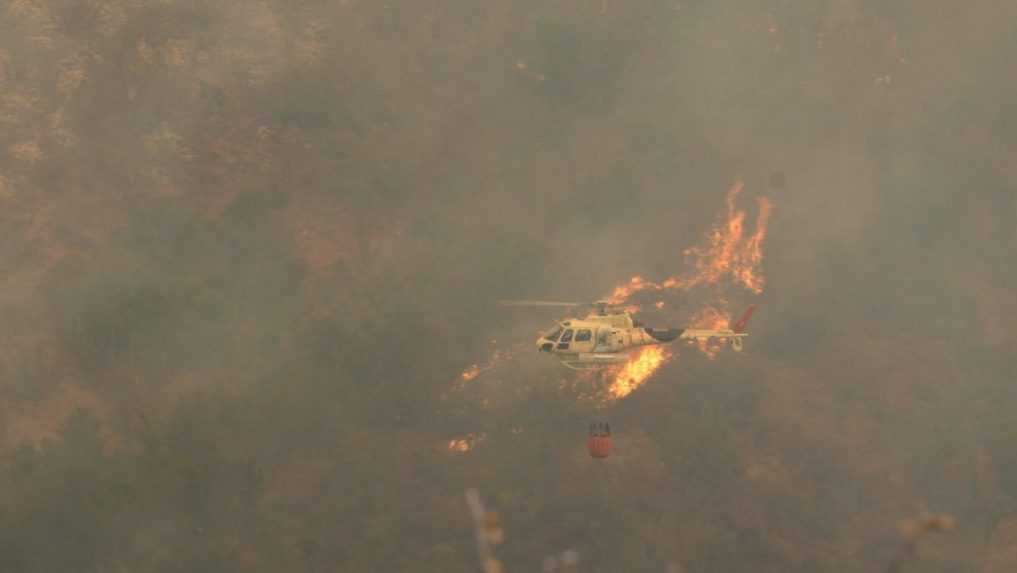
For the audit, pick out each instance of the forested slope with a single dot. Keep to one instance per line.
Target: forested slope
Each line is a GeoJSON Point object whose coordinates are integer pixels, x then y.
{"type": "Point", "coordinates": [249, 248]}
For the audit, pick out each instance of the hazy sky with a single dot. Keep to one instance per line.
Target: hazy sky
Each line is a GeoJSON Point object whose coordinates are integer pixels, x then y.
{"type": "Point", "coordinates": [271, 235]}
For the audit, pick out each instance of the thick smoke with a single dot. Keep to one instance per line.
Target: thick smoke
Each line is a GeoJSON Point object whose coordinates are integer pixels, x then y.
{"type": "Point", "coordinates": [250, 248]}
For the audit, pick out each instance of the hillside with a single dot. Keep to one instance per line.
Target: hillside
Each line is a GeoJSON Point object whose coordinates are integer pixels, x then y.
{"type": "Point", "coordinates": [250, 249]}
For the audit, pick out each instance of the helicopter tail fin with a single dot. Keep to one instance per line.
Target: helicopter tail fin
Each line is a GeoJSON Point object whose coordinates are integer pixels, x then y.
{"type": "Point", "coordinates": [739, 326]}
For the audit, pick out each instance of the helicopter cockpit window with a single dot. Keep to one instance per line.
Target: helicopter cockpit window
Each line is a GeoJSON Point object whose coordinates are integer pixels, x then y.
{"type": "Point", "coordinates": [553, 333]}
{"type": "Point", "coordinates": [583, 335]}
{"type": "Point", "coordinates": [563, 344]}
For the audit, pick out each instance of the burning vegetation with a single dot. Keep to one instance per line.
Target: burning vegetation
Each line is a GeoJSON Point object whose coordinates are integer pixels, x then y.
{"type": "Point", "coordinates": [638, 369]}
{"type": "Point", "coordinates": [250, 248]}
{"type": "Point", "coordinates": [728, 254]}
{"type": "Point", "coordinates": [725, 253]}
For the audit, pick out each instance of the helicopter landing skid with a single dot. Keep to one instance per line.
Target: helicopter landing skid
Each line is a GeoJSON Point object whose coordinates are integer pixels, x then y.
{"type": "Point", "coordinates": [595, 361]}
{"type": "Point", "coordinates": [581, 366]}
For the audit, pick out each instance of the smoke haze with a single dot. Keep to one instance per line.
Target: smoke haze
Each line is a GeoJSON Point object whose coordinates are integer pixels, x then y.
{"type": "Point", "coordinates": [250, 249]}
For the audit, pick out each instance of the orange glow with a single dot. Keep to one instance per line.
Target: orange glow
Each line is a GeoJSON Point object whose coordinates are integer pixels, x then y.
{"type": "Point", "coordinates": [752, 252]}
{"type": "Point", "coordinates": [725, 253]}
{"type": "Point", "coordinates": [459, 445]}
{"type": "Point", "coordinates": [728, 253]}
{"type": "Point", "coordinates": [638, 369]}
{"type": "Point", "coordinates": [465, 443]}
{"type": "Point", "coordinates": [711, 318]}
{"type": "Point", "coordinates": [477, 369]}
{"type": "Point", "coordinates": [623, 292]}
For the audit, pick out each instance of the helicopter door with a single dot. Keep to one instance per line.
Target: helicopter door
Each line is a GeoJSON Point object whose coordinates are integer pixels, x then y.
{"type": "Point", "coordinates": [566, 338]}
{"type": "Point", "coordinates": [604, 341]}
{"type": "Point", "coordinates": [583, 341]}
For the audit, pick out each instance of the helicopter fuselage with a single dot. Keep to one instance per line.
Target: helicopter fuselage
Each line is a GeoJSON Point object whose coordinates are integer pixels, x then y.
{"type": "Point", "coordinates": [601, 340]}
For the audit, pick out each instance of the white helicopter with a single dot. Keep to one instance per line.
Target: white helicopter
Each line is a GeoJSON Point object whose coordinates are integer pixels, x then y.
{"type": "Point", "coordinates": [608, 334]}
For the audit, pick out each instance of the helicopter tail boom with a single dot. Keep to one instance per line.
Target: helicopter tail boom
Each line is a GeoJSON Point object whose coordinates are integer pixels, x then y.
{"type": "Point", "coordinates": [732, 335]}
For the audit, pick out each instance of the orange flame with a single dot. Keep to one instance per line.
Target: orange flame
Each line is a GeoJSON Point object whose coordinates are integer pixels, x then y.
{"type": "Point", "coordinates": [635, 372]}
{"type": "Point", "coordinates": [726, 253]}
{"type": "Point", "coordinates": [475, 370]}
{"type": "Point", "coordinates": [711, 318]}
{"type": "Point", "coordinates": [459, 445]}
{"type": "Point", "coordinates": [465, 443]}
{"type": "Point", "coordinates": [623, 292]}
{"type": "Point", "coordinates": [752, 251]}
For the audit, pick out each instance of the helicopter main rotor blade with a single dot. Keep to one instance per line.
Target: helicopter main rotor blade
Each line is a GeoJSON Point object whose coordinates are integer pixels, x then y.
{"type": "Point", "coordinates": [537, 303]}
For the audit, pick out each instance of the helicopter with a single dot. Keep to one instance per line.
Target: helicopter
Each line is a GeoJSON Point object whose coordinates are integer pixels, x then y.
{"type": "Point", "coordinates": [608, 333]}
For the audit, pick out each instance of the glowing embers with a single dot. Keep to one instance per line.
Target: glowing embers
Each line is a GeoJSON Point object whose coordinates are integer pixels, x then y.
{"type": "Point", "coordinates": [471, 372]}
{"type": "Point", "coordinates": [465, 443]}
{"type": "Point", "coordinates": [498, 356]}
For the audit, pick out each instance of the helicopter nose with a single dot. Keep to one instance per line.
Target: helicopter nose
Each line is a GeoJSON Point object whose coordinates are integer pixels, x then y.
{"type": "Point", "coordinates": [544, 346]}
